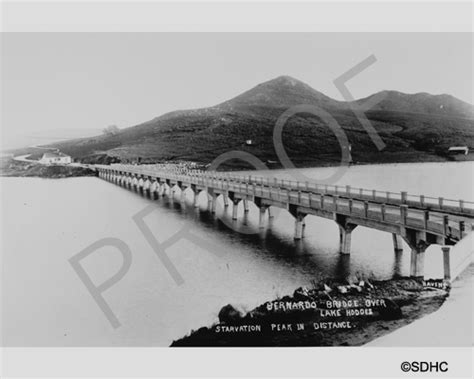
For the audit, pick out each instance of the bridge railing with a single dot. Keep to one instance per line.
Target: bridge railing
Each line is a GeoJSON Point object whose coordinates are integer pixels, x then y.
{"type": "Point", "coordinates": [424, 202]}
{"type": "Point", "coordinates": [200, 177]}
{"type": "Point", "coordinates": [330, 198]}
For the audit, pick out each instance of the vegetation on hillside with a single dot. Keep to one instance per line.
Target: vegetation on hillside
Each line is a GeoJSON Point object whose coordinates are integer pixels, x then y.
{"type": "Point", "coordinates": [417, 127]}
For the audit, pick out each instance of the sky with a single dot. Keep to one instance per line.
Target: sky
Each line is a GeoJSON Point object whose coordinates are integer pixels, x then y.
{"type": "Point", "coordinates": [64, 85]}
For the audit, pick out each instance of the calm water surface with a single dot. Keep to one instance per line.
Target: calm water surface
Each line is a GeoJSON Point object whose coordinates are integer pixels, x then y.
{"type": "Point", "coordinates": [46, 222]}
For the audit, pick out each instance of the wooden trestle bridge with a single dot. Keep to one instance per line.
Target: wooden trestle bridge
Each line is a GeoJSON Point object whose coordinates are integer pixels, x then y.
{"type": "Point", "coordinates": [419, 220]}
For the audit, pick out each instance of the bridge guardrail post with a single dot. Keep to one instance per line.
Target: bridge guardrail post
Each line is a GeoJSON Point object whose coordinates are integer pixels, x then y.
{"type": "Point", "coordinates": [374, 194]}
{"type": "Point", "coordinates": [422, 200]}
{"type": "Point", "coordinates": [461, 205]}
{"type": "Point", "coordinates": [366, 209]}
{"type": "Point", "coordinates": [461, 228]}
{"type": "Point", "coordinates": [321, 200]}
{"type": "Point", "coordinates": [403, 214]}
{"type": "Point", "coordinates": [445, 225]}
{"type": "Point", "coordinates": [334, 201]}
{"type": "Point", "coordinates": [382, 211]}
{"type": "Point", "coordinates": [348, 190]}
{"type": "Point", "coordinates": [426, 218]}
{"type": "Point", "coordinates": [404, 197]}
{"type": "Point", "coordinates": [440, 202]}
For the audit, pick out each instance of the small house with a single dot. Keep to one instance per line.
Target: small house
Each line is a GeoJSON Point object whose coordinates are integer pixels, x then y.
{"type": "Point", "coordinates": [55, 158]}
{"type": "Point", "coordinates": [457, 150]}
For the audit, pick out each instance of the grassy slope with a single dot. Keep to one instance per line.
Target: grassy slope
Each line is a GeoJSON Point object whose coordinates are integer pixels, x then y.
{"type": "Point", "coordinates": [203, 136]}
{"type": "Point", "coordinates": [417, 127]}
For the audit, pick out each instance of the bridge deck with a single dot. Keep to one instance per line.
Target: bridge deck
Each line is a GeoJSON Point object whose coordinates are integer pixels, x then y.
{"type": "Point", "coordinates": [389, 211]}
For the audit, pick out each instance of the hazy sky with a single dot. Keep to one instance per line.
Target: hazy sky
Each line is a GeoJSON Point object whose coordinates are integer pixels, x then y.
{"type": "Point", "coordinates": [80, 82]}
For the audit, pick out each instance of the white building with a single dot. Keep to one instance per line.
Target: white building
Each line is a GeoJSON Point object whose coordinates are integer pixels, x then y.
{"type": "Point", "coordinates": [55, 158]}
{"type": "Point", "coordinates": [453, 150]}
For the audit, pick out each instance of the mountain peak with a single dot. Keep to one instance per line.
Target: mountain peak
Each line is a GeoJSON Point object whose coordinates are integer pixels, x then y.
{"type": "Point", "coordinates": [282, 91]}
{"type": "Point", "coordinates": [285, 80]}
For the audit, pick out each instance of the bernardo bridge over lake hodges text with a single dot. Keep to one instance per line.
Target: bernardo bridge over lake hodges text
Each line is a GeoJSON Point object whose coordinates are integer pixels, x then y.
{"type": "Point", "coordinates": [419, 220]}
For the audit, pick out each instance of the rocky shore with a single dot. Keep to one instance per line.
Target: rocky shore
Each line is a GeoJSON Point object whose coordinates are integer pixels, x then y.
{"type": "Point", "coordinates": [329, 314]}
{"type": "Point", "coordinates": [12, 168]}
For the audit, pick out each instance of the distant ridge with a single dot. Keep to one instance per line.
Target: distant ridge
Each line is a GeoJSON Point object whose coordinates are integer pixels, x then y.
{"type": "Point", "coordinates": [422, 102]}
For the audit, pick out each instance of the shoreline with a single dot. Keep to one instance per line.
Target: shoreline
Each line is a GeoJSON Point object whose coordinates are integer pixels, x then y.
{"type": "Point", "coordinates": [329, 314]}
{"type": "Point", "coordinates": [457, 310]}
{"type": "Point", "coordinates": [25, 169]}
{"type": "Point", "coordinates": [9, 167]}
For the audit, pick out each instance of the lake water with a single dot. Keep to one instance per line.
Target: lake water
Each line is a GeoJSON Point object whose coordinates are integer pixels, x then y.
{"type": "Point", "coordinates": [46, 222]}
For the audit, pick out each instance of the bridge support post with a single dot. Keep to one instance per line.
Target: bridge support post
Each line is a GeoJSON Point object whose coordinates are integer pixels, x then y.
{"type": "Point", "coordinates": [447, 262]}
{"type": "Point", "coordinates": [418, 244]}
{"type": "Point", "coordinates": [397, 243]}
{"type": "Point", "coordinates": [171, 194]}
{"type": "Point", "coordinates": [183, 195]}
{"type": "Point", "coordinates": [345, 233]}
{"type": "Point", "coordinates": [214, 203]}
{"type": "Point", "coordinates": [270, 213]}
{"type": "Point", "coordinates": [196, 198]}
{"type": "Point", "coordinates": [141, 188]}
{"type": "Point", "coordinates": [226, 200]}
{"type": "Point", "coordinates": [154, 188]}
{"type": "Point", "coordinates": [211, 201]}
{"type": "Point", "coordinates": [235, 205]}
{"type": "Point", "coordinates": [417, 263]}
{"type": "Point", "coordinates": [299, 226]}
{"type": "Point", "coordinates": [345, 237]}
{"type": "Point", "coordinates": [246, 206]}
{"type": "Point", "coordinates": [261, 216]}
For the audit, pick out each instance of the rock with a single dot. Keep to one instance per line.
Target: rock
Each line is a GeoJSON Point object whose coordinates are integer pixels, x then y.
{"type": "Point", "coordinates": [342, 289]}
{"type": "Point", "coordinates": [327, 289]}
{"type": "Point", "coordinates": [391, 311]}
{"type": "Point", "coordinates": [228, 314]}
{"type": "Point", "coordinates": [301, 293]}
{"type": "Point", "coordinates": [356, 287]}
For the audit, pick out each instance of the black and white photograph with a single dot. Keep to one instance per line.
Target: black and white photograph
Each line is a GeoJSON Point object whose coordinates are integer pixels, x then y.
{"type": "Point", "coordinates": [238, 189]}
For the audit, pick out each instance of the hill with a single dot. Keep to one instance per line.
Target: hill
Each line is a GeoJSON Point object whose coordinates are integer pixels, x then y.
{"type": "Point", "coordinates": [416, 127]}
{"type": "Point", "coordinates": [425, 103]}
